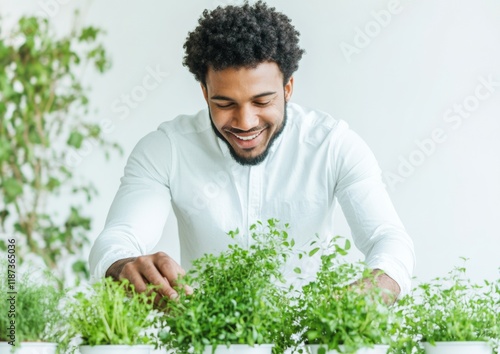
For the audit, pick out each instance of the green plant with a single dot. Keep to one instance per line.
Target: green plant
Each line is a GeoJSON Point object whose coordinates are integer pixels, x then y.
{"type": "Point", "coordinates": [340, 312]}
{"type": "Point", "coordinates": [30, 310]}
{"type": "Point", "coordinates": [450, 308]}
{"type": "Point", "coordinates": [112, 313]}
{"type": "Point", "coordinates": [44, 123]}
{"type": "Point", "coordinates": [237, 297]}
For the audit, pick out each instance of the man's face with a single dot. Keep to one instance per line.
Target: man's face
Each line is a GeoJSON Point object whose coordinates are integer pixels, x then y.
{"type": "Point", "coordinates": [247, 108]}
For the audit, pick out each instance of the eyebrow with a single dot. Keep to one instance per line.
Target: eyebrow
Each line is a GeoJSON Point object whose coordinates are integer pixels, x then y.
{"type": "Point", "coordinates": [225, 98]}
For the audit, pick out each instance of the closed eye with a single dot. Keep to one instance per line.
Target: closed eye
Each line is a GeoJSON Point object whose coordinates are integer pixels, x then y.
{"type": "Point", "coordinates": [224, 105]}
{"type": "Point", "coordinates": [262, 104]}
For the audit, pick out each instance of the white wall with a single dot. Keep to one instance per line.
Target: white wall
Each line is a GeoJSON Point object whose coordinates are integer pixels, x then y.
{"type": "Point", "coordinates": [400, 86]}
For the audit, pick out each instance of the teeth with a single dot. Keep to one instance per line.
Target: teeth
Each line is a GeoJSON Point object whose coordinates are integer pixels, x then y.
{"type": "Point", "coordinates": [247, 137]}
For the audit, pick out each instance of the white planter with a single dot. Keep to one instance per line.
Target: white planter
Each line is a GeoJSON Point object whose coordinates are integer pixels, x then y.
{"type": "Point", "coordinates": [377, 349]}
{"type": "Point", "coordinates": [240, 349]}
{"type": "Point", "coordinates": [29, 348]}
{"type": "Point", "coordinates": [458, 348]}
{"type": "Point", "coordinates": [116, 349]}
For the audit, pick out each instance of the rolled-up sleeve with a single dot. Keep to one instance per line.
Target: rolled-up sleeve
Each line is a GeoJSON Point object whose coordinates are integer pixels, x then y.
{"type": "Point", "coordinates": [140, 208]}
{"type": "Point", "coordinates": [376, 228]}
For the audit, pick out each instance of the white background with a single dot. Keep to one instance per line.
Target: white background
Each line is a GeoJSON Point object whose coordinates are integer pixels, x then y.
{"type": "Point", "coordinates": [424, 59]}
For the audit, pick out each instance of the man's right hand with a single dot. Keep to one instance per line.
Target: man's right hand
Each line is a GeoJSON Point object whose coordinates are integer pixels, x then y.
{"type": "Point", "coordinates": [158, 269]}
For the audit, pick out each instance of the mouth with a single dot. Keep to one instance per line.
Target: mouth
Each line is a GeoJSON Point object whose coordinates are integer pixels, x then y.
{"type": "Point", "coordinates": [246, 140]}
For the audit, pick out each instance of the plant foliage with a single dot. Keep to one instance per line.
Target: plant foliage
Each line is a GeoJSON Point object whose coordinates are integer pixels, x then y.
{"type": "Point", "coordinates": [237, 297]}
{"type": "Point", "coordinates": [112, 313]}
{"type": "Point", "coordinates": [340, 311]}
{"type": "Point", "coordinates": [43, 129]}
{"type": "Point", "coordinates": [451, 308]}
{"type": "Point", "coordinates": [36, 312]}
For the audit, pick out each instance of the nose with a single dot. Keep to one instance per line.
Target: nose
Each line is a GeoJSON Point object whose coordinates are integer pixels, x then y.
{"type": "Point", "coordinates": [245, 118]}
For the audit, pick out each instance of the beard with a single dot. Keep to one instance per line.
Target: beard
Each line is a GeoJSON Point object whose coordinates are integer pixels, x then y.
{"type": "Point", "coordinates": [250, 161]}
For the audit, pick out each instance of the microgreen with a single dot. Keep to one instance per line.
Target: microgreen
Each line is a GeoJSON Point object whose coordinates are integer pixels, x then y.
{"type": "Point", "coordinates": [333, 312]}
{"type": "Point", "coordinates": [112, 313]}
{"type": "Point", "coordinates": [36, 314]}
{"type": "Point", "coordinates": [237, 299]}
{"type": "Point", "coordinates": [451, 308]}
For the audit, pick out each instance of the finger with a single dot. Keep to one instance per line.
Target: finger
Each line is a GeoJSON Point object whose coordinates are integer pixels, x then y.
{"type": "Point", "coordinates": [170, 269]}
{"type": "Point", "coordinates": [134, 277]}
{"type": "Point", "coordinates": [188, 289]}
{"type": "Point", "coordinates": [149, 271]}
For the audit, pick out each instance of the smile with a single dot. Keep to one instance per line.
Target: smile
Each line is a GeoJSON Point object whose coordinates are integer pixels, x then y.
{"type": "Point", "coordinates": [246, 138]}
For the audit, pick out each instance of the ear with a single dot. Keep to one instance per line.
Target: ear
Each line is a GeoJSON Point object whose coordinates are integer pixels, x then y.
{"type": "Point", "coordinates": [289, 89]}
{"type": "Point", "coordinates": [205, 92]}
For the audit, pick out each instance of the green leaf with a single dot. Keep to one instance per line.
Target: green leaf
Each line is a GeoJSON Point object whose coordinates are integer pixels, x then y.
{"type": "Point", "coordinates": [75, 139]}
{"type": "Point", "coordinates": [313, 252]}
{"type": "Point", "coordinates": [53, 184]}
{"type": "Point", "coordinates": [80, 267]}
{"type": "Point", "coordinates": [5, 150]}
{"type": "Point", "coordinates": [12, 189]}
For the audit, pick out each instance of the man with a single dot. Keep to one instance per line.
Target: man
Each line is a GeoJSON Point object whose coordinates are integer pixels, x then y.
{"type": "Point", "coordinates": [252, 155]}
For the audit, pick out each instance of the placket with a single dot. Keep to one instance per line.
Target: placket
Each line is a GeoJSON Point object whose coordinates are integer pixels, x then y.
{"type": "Point", "coordinates": [254, 196]}
{"type": "Point", "coordinates": [241, 175]}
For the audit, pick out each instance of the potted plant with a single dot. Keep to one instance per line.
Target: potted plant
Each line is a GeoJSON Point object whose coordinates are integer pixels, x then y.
{"type": "Point", "coordinates": [452, 315]}
{"type": "Point", "coordinates": [113, 318]}
{"type": "Point", "coordinates": [338, 312]}
{"type": "Point", "coordinates": [31, 316]}
{"type": "Point", "coordinates": [238, 303]}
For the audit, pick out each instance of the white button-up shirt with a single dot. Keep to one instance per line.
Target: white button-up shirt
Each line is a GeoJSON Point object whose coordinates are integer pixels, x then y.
{"type": "Point", "coordinates": [315, 162]}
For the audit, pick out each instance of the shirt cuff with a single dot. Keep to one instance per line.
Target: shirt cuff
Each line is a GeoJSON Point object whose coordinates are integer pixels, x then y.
{"type": "Point", "coordinates": [110, 257]}
{"type": "Point", "coordinates": [394, 269]}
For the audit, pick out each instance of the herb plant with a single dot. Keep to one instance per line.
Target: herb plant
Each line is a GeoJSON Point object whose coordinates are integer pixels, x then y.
{"type": "Point", "coordinates": [34, 308]}
{"type": "Point", "coordinates": [112, 313]}
{"type": "Point", "coordinates": [451, 308]}
{"type": "Point", "coordinates": [339, 312]}
{"type": "Point", "coordinates": [237, 297]}
{"type": "Point", "coordinates": [45, 129]}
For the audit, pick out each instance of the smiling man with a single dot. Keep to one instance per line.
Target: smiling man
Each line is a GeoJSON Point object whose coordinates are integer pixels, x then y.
{"type": "Point", "coordinates": [251, 155]}
{"type": "Point", "coordinates": [247, 108]}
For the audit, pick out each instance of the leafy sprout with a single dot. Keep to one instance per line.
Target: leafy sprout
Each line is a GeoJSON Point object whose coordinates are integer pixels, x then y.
{"type": "Point", "coordinates": [237, 299]}
{"type": "Point", "coordinates": [339, 312]}
{"type": "Point", "coordinates": [450, 308]}
{"type": "Point", "coordinates": [37, 309]}
{"type": "Point", "coordinates": [113, 313]}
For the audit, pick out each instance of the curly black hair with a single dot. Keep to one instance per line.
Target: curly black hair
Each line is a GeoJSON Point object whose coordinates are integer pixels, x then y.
{"type": "Point", "coordinates": [242, 36]}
